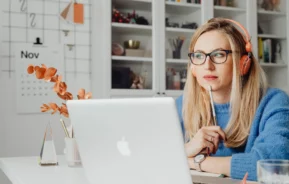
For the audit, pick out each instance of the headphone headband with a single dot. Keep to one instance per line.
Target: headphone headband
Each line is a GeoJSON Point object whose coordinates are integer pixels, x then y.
{"type": "Point", "coordinates": [246, 37]}
{"type": "Point", "coordinates": [242, 27]}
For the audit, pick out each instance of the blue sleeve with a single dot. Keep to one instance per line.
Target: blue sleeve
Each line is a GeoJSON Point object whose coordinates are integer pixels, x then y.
{"type": "Point", "coordinates": [269, 139]}
{"type": "Point", "coordinates": [179, 104]}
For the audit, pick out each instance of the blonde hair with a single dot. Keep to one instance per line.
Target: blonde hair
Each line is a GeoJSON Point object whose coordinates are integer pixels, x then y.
{"type": "Point", "coordinates": [245, 96]}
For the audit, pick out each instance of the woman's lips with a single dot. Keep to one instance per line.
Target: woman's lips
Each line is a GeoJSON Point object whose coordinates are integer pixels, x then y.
{"type": "Point", "coordinates": [210, 77]}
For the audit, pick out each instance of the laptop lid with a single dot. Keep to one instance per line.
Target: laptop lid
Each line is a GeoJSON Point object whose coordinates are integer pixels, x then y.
{"type": "Point", "coordinates": [136, 140]}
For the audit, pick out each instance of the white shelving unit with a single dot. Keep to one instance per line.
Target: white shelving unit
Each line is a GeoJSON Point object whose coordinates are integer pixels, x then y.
{"type": "Point", "coordinates": [129, 58]}
{"type": "Point", "coordinates": [225, 9]}
{"type": "Point", "coordinates": [180, 5]}
{"type": "Point", "coordinates": [156, 36]}
{"type": "Point", "coordinates": [180, 30]}
{"type": "Point", "coordinates": [274, 13]}
{"type": "Point", "coordinates": [273, 26]}
{"type": "Point", "coordinates": [178, 61]}
{"type": "Point", "coordinates": [131, 28]}
{"type": "Point", "coordinates": [271, 36]}
{"type": "Point", "coordinates": [273, 65]}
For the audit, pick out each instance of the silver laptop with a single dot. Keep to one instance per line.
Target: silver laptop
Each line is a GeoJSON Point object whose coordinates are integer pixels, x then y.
{"type": "Point", "coordinates": [131, 141]}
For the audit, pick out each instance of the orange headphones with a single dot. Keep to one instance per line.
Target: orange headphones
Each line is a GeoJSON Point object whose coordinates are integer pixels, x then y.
{"type": "Point", "coordinates": [245, 61]}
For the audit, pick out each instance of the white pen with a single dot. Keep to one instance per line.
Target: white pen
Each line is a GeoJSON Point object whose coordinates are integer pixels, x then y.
{"type": "Point", "coordinates": [212, 105]}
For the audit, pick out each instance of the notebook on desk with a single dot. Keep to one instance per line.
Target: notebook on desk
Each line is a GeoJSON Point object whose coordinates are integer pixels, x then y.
{"type": "Point", "coordinates": [131, 141]}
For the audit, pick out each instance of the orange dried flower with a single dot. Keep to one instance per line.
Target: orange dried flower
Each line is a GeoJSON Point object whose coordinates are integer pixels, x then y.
{"type": "Point", "coordinates": [40, 73]}
{"type": "Point", "coordinates": [66, 96]}
{"type": "Point", "coordinates": [54, 107]}
{"type": "Point", "coordinates": [50, 72]}
{"type": "Point", "coordinates": [30, 69]}
{"type": "Point", "coordinates": [60, 87]}
{"type": "Point", "coordinates": [81, 94]}
{"type": "Point", "coordinates": [45, 108]}
{"type": "Point", "coordinates": [36, 68]}
{"type": "Point", "coordinates": [63, 110]}
{"type": "Point", "coordinates": [55, 78]}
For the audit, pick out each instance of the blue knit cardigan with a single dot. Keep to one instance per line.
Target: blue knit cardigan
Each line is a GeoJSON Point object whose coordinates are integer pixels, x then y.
{"type": "Point", "coordinates": [269, 133]}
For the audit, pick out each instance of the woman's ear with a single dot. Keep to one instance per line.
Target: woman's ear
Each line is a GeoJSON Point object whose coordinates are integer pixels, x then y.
{"type": "Point", "coordinates": [193, 71]}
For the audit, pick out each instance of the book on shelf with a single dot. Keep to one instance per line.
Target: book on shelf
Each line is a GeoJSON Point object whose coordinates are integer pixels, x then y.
{"type": "Point", "coordinates": [269, 50]}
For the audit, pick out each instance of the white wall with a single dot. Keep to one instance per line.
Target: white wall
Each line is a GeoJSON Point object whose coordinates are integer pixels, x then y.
{"type": "Point", "coordinates": [22, 134]}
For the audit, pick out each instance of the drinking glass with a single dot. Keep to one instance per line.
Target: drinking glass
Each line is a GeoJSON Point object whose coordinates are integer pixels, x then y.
{"type": "Point", "coordinates": [273, 171]}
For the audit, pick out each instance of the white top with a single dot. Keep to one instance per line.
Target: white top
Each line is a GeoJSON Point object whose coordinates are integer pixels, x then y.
{"type": "Point", "coordinates": [26, 170]}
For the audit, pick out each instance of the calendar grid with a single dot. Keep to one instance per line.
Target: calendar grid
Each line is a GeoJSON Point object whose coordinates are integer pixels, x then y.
{"type": "Point", "coordinates": [48, 15]}
{"type": "Point", "coordinates": [69, 58]}
{"type": "Point", "coordinates": [68, 72]}
{"type": "Point", "coordinates": [47, 29]}
{"type": "Point", "coordinates": [59, 34]}
{"type": "Point", "coordinates": [43, 21]}
{"type": "Point", "coordinates": [27, 14]}
{"type": "Point", "coordinates": [75, 65]}
{"type": "Point", "coordinates": [10, 46]}
{"type": "Point", "coordinates": [65, 33]}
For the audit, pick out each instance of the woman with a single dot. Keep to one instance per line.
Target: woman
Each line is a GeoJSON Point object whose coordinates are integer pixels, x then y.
{"type": "Point", "coordinates": [252, 120]}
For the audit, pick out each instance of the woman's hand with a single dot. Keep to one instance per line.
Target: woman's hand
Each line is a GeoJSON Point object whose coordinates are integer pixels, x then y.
{"type": "Point", "coordinates": [206, 137]}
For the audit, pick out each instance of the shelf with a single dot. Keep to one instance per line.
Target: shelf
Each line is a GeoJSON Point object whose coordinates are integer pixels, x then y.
{"type": "Point", "coordinates": [272, 64]}
{"type": "Point", "coordinates": [131, 28]}
{"type": "Point", "coordinates": [140, 1]}
{"type": "Point", "coordinates": [132, 92]}
{"type": "Point", "coordinates": [145, 5]}
{"type": "Point", "coordinates": [265, 12]}
{"type": "Point", "coordinates": [226, 8]}
{"type": "Point", "coordinates": [182, 4]}
{"type": "Point", "coordinates": [182, 8]}
{"type": "Point", "coordinates": [179, 30]}
{"type": "Point", "coordinates": [177, 61]}
{"type": "Point", "coordinates": [134, 59]}
{"type": "Point", "coordinates": [264, 16]}
{"type": "Point", "coordinates": [271, 36]}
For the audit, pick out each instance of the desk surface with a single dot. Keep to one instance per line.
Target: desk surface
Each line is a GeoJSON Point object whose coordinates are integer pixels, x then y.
{"type": "Point", "coordinates": [26, 170]}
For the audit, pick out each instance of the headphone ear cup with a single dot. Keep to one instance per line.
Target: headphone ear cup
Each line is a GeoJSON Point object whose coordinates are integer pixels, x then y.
{"type": "Point", "coordinates": [245, 64]}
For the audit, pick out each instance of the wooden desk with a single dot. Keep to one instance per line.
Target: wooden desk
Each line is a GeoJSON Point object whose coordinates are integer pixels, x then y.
{"type": "Point", "coordinates": [26, 170]}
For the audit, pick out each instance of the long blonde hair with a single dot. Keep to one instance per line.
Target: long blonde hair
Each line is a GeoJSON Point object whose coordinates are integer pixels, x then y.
{"type": "Point", "coordinates": [245, 95]}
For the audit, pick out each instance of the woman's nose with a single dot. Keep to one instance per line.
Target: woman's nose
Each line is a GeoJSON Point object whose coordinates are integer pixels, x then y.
{"type": "Point", "coordinates": [209, 65]}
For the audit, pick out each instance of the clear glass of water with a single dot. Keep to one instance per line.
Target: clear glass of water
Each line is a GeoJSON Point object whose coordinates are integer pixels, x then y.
{"type": "Point", "coordinates": [273, 171]}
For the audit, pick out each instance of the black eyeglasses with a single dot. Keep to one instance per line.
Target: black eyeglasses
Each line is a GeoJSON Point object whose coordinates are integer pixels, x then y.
{"type": "Point", "coordinates": [217, 56]}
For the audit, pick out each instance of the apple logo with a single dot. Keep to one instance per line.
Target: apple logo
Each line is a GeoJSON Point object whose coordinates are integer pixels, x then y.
{"type": "Point", "coordinates": [123, 147]}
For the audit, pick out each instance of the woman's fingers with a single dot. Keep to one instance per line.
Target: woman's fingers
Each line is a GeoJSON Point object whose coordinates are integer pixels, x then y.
{"type": "Point", "coordinates": [214, 140]}
{"type": "Point", "coordinates": [216, 129]}
{"type": "Point", "coordinates": [209, 145]}
{"type": "Point", "coordinates": [208, 137]}
{"type": "Point", "coordinates": [212, 134]}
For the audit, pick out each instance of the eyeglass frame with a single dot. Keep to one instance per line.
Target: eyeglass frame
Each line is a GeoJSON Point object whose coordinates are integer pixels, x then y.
{"type": "Point", "coordinates": [209, 54]}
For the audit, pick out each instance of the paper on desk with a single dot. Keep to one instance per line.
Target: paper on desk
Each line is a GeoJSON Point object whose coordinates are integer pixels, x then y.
{"type": "Point", "coordinates": [194, 172]}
